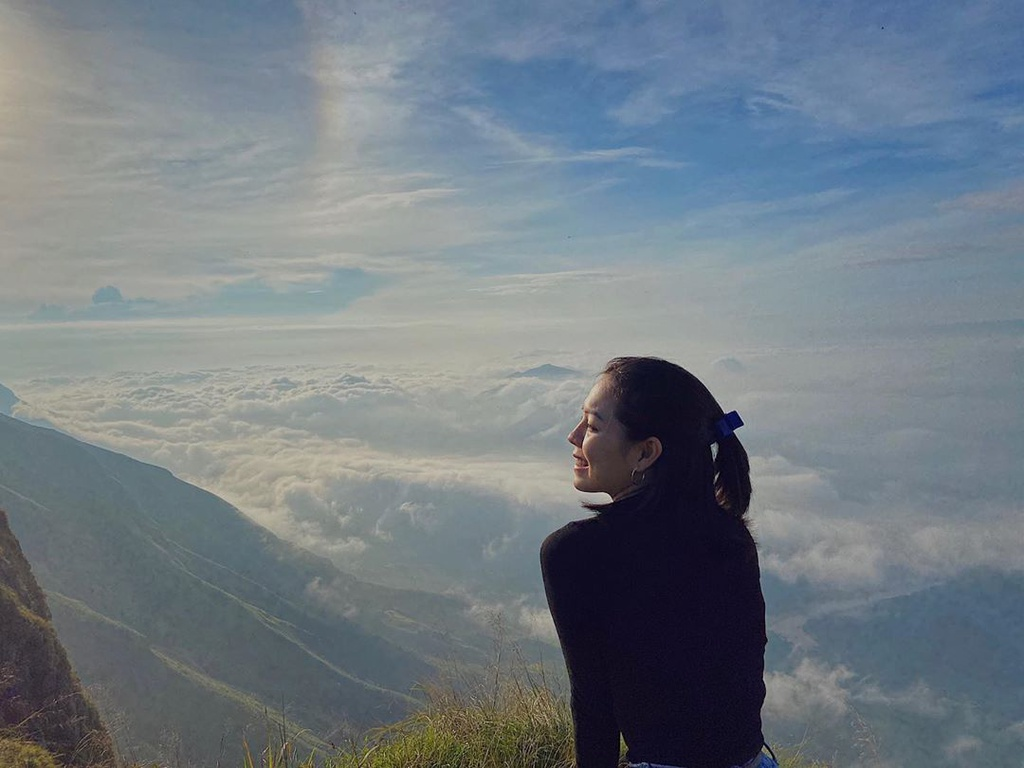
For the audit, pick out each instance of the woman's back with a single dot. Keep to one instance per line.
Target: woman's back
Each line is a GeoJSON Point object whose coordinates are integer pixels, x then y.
{"type": "Point", "coordinates": [661, 619]}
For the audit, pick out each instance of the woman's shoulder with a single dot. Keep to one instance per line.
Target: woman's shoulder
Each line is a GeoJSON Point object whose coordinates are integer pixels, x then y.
{"type": "Point", "coordinates": [571, 541]}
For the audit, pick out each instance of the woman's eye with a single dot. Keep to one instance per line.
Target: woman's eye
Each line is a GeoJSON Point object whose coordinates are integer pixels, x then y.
{"type": "Point", "coordinates": [591, 427]}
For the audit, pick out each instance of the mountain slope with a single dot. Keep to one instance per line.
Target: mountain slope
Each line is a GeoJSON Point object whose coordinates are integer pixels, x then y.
{"type": "Point", "coordinates": [938, 673]}
{"type": "Point", "coordinates": [41, 699]}
{"type": "Point", "coordinates": [963, 637]}
{"type": "Point", "coordinates": [7, 401]}
{"type": "Point", "coordinates": [189, 617]}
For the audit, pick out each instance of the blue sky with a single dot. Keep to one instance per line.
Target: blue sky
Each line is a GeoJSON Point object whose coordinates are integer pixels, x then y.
{"type": "Point", "coordinates": [860, 155]}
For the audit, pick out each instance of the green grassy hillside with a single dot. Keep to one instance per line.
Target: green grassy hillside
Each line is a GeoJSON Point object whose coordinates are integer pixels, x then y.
{"type": "Point", "coordinates": [189, 620]}
{"type": "Point", "coordinates": [42, 704]}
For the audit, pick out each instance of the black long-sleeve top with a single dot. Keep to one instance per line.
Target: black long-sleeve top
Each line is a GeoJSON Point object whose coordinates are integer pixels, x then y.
{"type": "Point", "coordinates": [661, 620]}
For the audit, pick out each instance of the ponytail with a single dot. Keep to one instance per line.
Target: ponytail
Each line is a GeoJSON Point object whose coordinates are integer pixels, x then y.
{"type": "Point", "coordinates": [732, 476]}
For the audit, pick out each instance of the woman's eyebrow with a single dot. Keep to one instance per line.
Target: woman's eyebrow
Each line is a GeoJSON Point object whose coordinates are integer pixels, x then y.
{"type": "Point", "coordinates": [591, 412]}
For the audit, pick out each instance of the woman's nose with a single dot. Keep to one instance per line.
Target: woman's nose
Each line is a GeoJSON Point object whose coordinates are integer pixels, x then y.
{"type": "Point", "coordinates": [573, 437]}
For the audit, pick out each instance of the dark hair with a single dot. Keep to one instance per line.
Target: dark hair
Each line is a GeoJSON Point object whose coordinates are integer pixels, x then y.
{"type": "Point", "coordinates": [656, 398]}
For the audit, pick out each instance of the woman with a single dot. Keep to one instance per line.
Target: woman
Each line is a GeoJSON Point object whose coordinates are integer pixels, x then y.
{"type": "Point", "coordinates": [657, 598]}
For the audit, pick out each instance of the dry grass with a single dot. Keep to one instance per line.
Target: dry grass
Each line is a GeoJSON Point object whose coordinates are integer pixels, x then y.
{"type": "Point", "coordinates": [16, 753]}
{"type": "Point", "coordinates": [506, 716]}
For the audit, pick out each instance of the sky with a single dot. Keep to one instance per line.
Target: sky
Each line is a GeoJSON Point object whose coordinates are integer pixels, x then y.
{"type": "Point", "coordinates": [296, 252]}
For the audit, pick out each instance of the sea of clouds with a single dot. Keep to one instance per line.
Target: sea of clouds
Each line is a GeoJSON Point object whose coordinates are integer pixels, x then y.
{"type": "Point", "coordinates": [862, 483]}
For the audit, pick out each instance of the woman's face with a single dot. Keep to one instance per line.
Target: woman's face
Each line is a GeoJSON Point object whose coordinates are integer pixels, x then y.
{"type": "Point", "coordinates": [605, 457]}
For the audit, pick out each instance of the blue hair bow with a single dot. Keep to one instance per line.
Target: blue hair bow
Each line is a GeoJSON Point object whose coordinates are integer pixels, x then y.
{"type": "Point", "coordinates": [726, 425]}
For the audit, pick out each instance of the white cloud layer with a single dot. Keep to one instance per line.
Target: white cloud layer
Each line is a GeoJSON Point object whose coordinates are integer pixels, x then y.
{"type": "Point", "coordinates": [453, 478]}
{"type": "Point", "coordinates": [830, 712]}
{"type": "Point", "coordinates": [812, 694]}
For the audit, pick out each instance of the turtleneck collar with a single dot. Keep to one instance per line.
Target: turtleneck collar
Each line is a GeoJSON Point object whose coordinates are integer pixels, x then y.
{"type": "Point", "coordinates": [629, 506]}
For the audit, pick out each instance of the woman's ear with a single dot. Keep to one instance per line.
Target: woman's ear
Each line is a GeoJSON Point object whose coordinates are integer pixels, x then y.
{"type": "Point", "coordinates": [650, 452]}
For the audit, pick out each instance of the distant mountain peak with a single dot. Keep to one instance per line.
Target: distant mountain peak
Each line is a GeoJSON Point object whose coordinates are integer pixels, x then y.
{"type": "Point", "coordinates": [546, 371]}
{"type": "Point", "coordinates": [7, 400]}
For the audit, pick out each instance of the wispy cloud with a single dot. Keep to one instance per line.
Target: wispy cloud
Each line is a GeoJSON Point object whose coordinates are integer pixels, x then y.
{"type": "Point", "coordinates": [1007, 200]}
{"type": "Point", "coordinates": [239, 298]}
{"type": "Point", "coordinates": [401, 140]}
{"type": "Point", "coordinates": [814, 692]}
{"type": "Point", "coordinates": [850, 67]}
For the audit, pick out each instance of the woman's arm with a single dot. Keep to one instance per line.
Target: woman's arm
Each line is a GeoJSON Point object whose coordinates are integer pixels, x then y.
{"type": "Point", "coordinates": [572, 592]}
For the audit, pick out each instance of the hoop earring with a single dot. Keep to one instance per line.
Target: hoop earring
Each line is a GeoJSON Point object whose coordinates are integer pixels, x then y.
{"type": "Point", "coordinates": [633, 477]}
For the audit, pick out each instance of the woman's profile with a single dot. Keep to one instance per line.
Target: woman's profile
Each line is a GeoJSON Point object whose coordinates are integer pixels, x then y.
{"type": "Point", "coordinates": [657, 598]}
